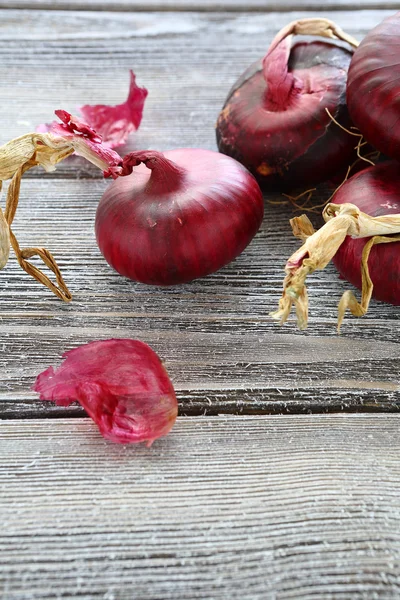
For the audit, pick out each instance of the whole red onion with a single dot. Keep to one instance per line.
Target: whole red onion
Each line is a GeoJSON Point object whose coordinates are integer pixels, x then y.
{"type": "Point", "coordinates": [275, 118]}
{"type": "Point", "coordinates": [179, 216]}
{"type": "Point", "coordinates": [373, 88]}
{"type": "Point", "coordinates": [376, 191]}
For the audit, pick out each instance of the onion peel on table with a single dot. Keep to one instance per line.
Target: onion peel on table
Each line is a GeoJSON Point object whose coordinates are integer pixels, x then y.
{"type": "Point", "coordinates": [112, 123]}
{"type": "Point", "coordinates": [121, 383]}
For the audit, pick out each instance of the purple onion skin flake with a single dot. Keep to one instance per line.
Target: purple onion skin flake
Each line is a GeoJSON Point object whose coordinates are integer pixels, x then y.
{"type": "Point", "coordinates": [121, 383]}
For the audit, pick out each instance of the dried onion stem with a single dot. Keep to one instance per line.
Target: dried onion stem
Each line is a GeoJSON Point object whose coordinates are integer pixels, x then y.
{"type": "Point", "coordinates": [320, 247]}
{"type": "Point", "coordinates": [17, 157]}
{"type": "Point", "coordinates": [315, 26]}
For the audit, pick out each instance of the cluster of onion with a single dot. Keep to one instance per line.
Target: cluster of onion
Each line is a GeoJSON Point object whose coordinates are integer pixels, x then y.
{"type": "Point", "coordinates": [373, 99]}
{"type": "Point", "coordinates": [362, 230]}
{"type": "Point", "coordinates": [287, 120]}
{"type": "Point", "coordinates": [188, 212]}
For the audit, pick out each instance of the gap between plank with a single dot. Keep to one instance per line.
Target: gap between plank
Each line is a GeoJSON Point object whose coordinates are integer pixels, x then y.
{"type": "Point", "coordinates": [373, 401]}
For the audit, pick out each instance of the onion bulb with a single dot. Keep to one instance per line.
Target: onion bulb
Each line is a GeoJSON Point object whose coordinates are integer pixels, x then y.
{"type": "Point", "coordinates": [362, 236]}
{"type": "Point", "coordinates": [275, 120]}
{"type": "Point", "coordinates": [179, 215]}
{"type": "Point", "coordinates": [373, 89]}
{"type": "Point", "coordinates": [376, 192]}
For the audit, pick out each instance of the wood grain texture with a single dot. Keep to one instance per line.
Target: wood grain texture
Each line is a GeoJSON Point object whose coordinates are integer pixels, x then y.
{"type": "Point", "coordinates": [224, 353]}
{"type": "Point", "coordinates": [60, 59]}
{"type": "Point", "coordinates": [252, 508]}
{"type": "Point", "coordinates": [201, 5]}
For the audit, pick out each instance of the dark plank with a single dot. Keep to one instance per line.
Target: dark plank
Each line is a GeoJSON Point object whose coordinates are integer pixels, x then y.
{"type": "Point", "coordinates": [223, 351]}
{"type": "Point", "coordinates": [249, 508]}
{"type": "Point", "coordinates": [201, 5]}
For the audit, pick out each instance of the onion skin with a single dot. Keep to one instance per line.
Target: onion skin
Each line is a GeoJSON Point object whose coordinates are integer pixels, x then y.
{"type": "Point", "coordinates": [121, 383]}
{"type": "Point", "coordinates": [295, 143]}
{"type": "Point", "coordinates": [112, 123]}
{"type": "Point", "coordinates": [376, 191]}
{"type": "Point", "coordinates": [373, 90]}
{"type": "Point", "coordinates": [187, 217]}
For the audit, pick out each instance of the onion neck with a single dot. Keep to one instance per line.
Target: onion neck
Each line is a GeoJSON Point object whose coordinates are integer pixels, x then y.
{"type": "Point", "coordinates": [320, 247]}
{"type": "Point", "coordinates": [282, 87]}
{"type": "Point", "coordinates": [166, 176]}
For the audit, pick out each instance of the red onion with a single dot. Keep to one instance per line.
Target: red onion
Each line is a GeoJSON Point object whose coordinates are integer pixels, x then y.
{"type": "Point", "coordinates": [179, 216]}
{"type": "Point", "coordinates": [275, 118]}
{"type": "Point", "coordinates": [376, 191]}
{"type": "Point", "coordinates": [373, 89]}
{"type": "Point", "coordinates": [121, 384]}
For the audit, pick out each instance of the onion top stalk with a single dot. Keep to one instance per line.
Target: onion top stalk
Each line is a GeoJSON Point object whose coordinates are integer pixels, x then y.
{"type": "Point", "coordinates": [276, 119]}
{"type": "Point", "coordinates": [350, 236]}
{"type": "Point", "coordinates": [180, 215]}
{"type": "Point", "coordinates": [46, 150]}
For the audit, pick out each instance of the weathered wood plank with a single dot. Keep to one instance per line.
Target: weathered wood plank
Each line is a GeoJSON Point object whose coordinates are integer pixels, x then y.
{"type": "Point", "coordinates": [250, 508]}
{"type": "Point", "coordinates": [53, 59]}
{"type": "Point", "coordinates": [223, 351]}
{"type": "Point", "coordinates": [201, 5]}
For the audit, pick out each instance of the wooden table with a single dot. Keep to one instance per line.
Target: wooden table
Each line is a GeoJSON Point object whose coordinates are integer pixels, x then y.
{"type": "Point", "coordinates": [280, 479]}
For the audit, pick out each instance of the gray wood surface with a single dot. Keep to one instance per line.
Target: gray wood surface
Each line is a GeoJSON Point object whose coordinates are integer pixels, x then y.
{"type": "Point", "coordinates": [246, 508]}
{"type": "Point", "coordinates": [52, 59]}
{"type": "Point", "coordinates": [223, 351]}
{"type": "Point", "coordinates": [202, 5]}
{"type": "Point", "coordinates": [221, 348]}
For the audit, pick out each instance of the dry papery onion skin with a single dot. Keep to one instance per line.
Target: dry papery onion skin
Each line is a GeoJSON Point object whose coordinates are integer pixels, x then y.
{"type": "Point", "coordinates": [121, 383]}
